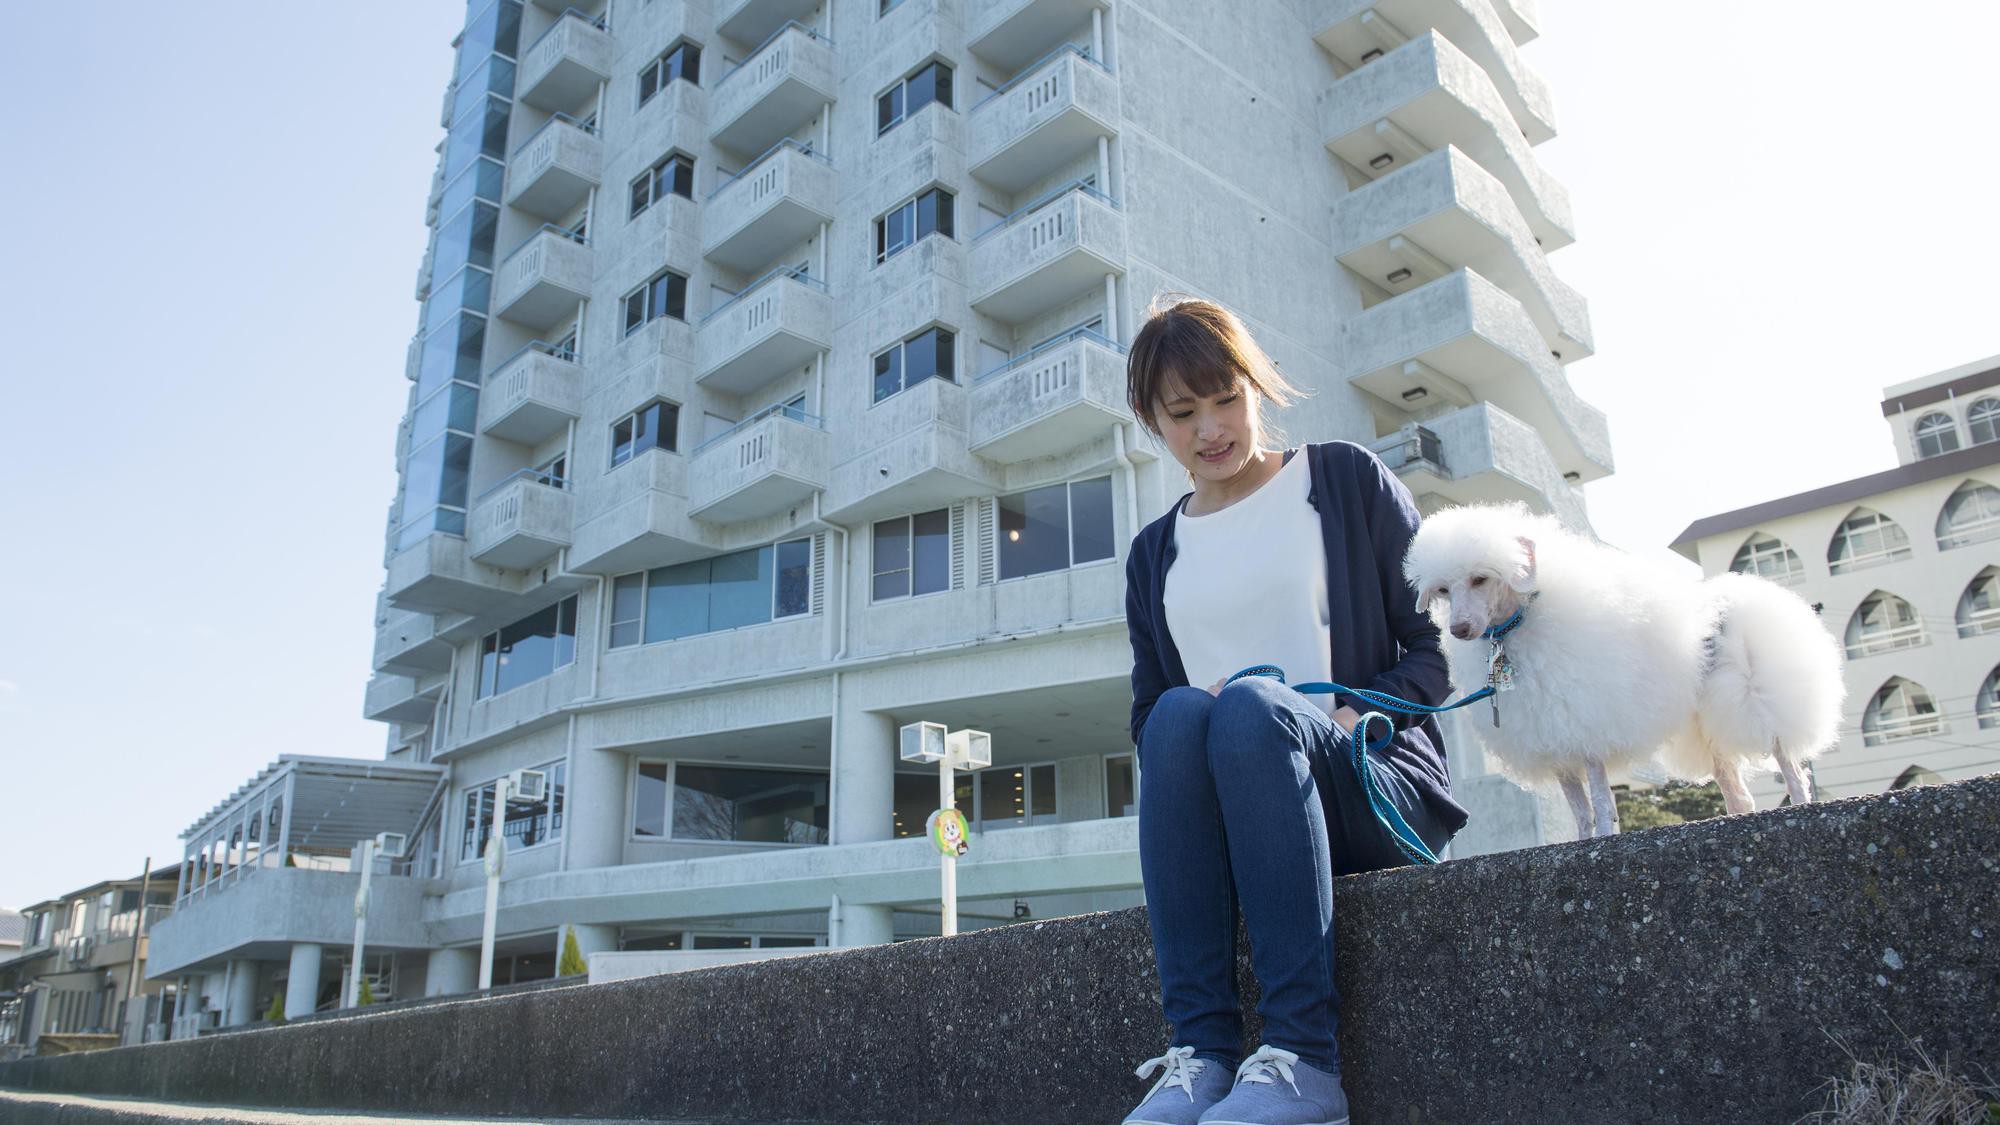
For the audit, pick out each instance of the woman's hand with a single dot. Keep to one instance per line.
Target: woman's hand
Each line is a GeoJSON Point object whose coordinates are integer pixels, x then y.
{"type": "Point", "coordinates": [1345, 718]}
{"type": "Point", "coordinates": [1216, 687]}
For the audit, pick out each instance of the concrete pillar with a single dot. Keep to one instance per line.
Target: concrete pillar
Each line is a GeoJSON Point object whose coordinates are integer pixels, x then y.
{"type": "Point", "coordinates": [855, 923]}
{"type": "Point", "coordinates": [864, 784]}
{"type": "Point", "coordinates": [241, 1004]}
{"type": "Point", "coordinates": [302, 983]}
{"type": "Point", "coordinates": [451, 971]}
{"type": "Point", "coordinates": [596, 782]}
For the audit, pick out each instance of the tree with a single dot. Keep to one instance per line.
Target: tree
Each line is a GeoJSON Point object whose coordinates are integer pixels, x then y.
{"type": "Point", "coordinates": [571, 963]}
{"type": "Point", "coordinates": [277, 1012]}
{"type": "Point", "coordinates": [1676, 802]}
{"type": "Point", "coordinates": [367, 996]}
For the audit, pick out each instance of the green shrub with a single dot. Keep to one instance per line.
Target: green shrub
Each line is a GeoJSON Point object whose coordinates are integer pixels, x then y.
{"type": "Point", "coordinates": [367, 993]}
{"type": "Point", "coordinates": [276, 1014]}
{"type": "Point", "coordinates": [571, 963]}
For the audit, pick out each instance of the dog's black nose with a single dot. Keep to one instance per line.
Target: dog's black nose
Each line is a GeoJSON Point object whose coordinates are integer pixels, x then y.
{"type": "Point", "coordinates": [1462, 631]}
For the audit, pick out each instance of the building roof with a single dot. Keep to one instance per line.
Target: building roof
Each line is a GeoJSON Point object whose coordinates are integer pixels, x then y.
{"type": "Point", "coordinates": [13, 928]}
{"type": "Point", "coordinates": [1846, 492]}
{"type": "Point", "coordinates": [336, 802]}
{"type": "Point", "coordinates": [168, 874]}
{"type": "Point", "coordinates": [1964, 379]}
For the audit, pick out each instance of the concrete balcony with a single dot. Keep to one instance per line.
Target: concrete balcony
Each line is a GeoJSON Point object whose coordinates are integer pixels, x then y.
{"type": "Point", "coordinates": [541, 282]}
{"type": "Point", "coordinates": [270, 908]}
{"type": "Point", "coordinates": [1047, 254]}
{"type": "Point", "coordinates": [395, 699]}
{"type": "Point", "coordinates": [753, 21]}
{"type": "Point", "coordinates": [438, 575]}
{"type": "Point", "coordinates": [407, 643]}
{"type": "Point", "coordinates": [1043, 120]}
{"type": "Point", "coordinates": [1480, 455]}
{"type": "Point", "coordinates": [776, 325]}
{"type": "Point", "coordinates": [1444, 212]}
{"type": "Point", "coordinates": [1051, 400]}
{"type": "Point", "coordinates": [553, 172]}
{"type": "Point", "coordinates": [1011, 34]}
{"type": "Point", "coordinates": [763, 466]}
{"type": "Point", "coordinates": [563, 67]}
{"type": "Point", "coordinates": [1360, 33]}
{"type": "Point", "coordinates": [521, 521]}
{"type": "Point", "coordinates": [1425, 95]}
{"type": "Point", "coordinates": [532, 396]}
{"type": "Point", "coordinates": [914, 455]}
{"type": "Point", "coordinates": [776, 202]}
{"type": "Point", "coordinates": [781, 86]}
{"type": "Point", "coordinates": [1462, 339]}
{"type": "Point", "coordinates": [637, 516]}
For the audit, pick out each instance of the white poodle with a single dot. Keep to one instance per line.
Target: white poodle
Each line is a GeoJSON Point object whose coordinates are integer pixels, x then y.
{"type": "Point", "coordinates": [1604, 660]}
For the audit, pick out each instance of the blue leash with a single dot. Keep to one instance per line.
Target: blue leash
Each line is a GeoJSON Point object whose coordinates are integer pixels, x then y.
{"type": "Point", "coordinates": [1407, 841]}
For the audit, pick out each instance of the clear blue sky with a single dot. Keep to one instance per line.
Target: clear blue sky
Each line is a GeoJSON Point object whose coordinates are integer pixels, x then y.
{"type": "Point", "coordinates": [218, 215]}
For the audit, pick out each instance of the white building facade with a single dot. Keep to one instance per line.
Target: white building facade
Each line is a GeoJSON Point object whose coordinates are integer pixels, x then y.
{"type": "Point", "coordinates": [768, 395]}
{"type": "Point", "coordinates": [1905, 565]}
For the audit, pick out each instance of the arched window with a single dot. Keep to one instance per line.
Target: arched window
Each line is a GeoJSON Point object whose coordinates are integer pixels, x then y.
{"type": "Point", "coordinates": [1916, 775]}
{"type": "Point", "coordinates": [1936, 434]}
{"type": "Point", "coordinates": [1988, 707]}
{"type": "Point", "coordinates": [1983, 420]}
{"type": "Point", "coordinates": [1767, 556]}
{"type": "Point", "coordinates": [1883, 623]}
{"type": "Point", "coordinates": [1971, 515]}
{"type": "Point", "coordinates": [1866, 538]}
{"type": "Point", "coordinates": [1979, 606]}
{"type": "Point", "coordinates": [1901, 709]}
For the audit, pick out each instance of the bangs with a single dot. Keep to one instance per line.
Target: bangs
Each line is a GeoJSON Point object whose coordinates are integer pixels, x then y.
{"type": "Point", "coordinates": [1198, 349]}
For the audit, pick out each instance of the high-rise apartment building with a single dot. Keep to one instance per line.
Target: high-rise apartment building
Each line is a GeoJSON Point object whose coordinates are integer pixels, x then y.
{"type": "Point", "coordinates": [768, 395]}
{"type": "Point", "coordinates": [1902, 566]}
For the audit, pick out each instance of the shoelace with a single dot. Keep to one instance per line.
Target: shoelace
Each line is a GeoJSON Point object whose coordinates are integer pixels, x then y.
{"type": "Point", "coordinates": [1182, 1068]}
{"type": "Point", "coordinates": [1269, 1064]}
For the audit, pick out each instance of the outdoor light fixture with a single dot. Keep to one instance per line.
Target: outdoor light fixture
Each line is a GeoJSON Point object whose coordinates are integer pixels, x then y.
{"type": "Point", "coordinates": [961, 749]}
{"type": "Point", "coordinates": [1415, 393]}
{"type": "Point", "coordinates": [1572, 476]}
{"type": "Point", "coordinates": [1382, 161]}
{"type": "Point", "coordinates": [1399, 276]}
{"type": "Point", "coordinates": [1371, 55]}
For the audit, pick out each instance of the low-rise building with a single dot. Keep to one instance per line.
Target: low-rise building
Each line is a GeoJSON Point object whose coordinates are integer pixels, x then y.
{"type": "Point", "coordinates": [72, 984]}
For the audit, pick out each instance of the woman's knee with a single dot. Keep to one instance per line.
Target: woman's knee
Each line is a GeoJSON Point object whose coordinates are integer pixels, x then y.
{"type": "Point", "coordinates": [1179, 719]}
{"type": "Point", "coordinates": [1247, 710]}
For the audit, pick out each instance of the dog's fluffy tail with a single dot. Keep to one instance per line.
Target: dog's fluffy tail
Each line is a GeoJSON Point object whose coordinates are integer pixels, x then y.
{"type": "Point", "coordinates": [1775, 677]}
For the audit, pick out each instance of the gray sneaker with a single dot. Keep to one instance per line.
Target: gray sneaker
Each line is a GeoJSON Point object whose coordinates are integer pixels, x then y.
{"type": "Point", "coordinates": [1274, 1088]}
{"type": "Point", "coordinates": [1189, 1086]}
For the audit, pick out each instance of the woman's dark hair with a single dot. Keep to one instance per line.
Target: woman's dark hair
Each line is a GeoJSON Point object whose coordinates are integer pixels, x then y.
{"type": "Point", "coordinates": [1190, 343]}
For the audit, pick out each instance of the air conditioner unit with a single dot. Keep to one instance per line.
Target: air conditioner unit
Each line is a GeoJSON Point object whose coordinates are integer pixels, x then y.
{"type": "Point", "coordinates": [391, 845]}
{"type": "Point", "coordinates": [529, 785]}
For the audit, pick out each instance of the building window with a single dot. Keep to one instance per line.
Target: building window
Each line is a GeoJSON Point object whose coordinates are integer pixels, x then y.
{"type": "Point", "coordinates": [1936, 434]}
{"type": "Point", "coordinates": [527, 823]}
{"type": "Point", "coordinates": [1983, 421]}
{"type": "Point", "coordinates": [1979, 606]}
{"type": "Point", "coordinates": [708, 595]}
{"type": "Point", "coordinates": [926, 355]}
{"type": "Point", "coordinates": [926, 214]}
{"type": "Point", "coordinates": [1052, 528]}
{"type": "Point", "coordinates": [1121, 786]}
{"type": "Point", "coordinates": [1971, 515]}
{"type": "Point", "coordinates": [1769, 557]}
{"type": "Point", "coordinates": [655, 425]}
{"type": "Point", "coordinates": [912, 555]}
{"type": "Point", "coordinates": [529, 649]}
{"type": "Point", "coordinates": [665, 294]}
{"type": "Point", "coordinates": [928, 84]}
{"type": "Point", "coordinates": [1866, 538]}
{"type": "Point", "coordinates": [993, 798]}
{"type": "Point", "coordinates": [682, 60]}
{"type": "Point", "coordinates": [1901, 709]}
{"type": "Point", "coordinates": [673, 175]}
{"type": "Point", "coordinates": [886, 6]}
{"type": "Point", "coordinates": [553, 472]}
{"type": "Point", "coordinates": [730, 804]}
{"type": "Point", "coordinates": [1883, 623]}
{"type": "Point", "coordinates": [1988, 707]}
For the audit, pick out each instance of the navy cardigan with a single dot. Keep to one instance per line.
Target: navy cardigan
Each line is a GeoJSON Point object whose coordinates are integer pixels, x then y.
{"type": "Point", "coordinates": [1379, 640]}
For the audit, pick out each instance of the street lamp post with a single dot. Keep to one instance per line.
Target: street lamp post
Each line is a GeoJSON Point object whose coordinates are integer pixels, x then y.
{"type": "Point", "coordinates": [526, 786]}
{"type": "Point", "coordinates": [391, 845]}
{"type": "Point", "coordinates": [961, 749]}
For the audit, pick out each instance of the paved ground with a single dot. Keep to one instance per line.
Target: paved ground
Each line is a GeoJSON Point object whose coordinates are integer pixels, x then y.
{"type": "Point", "coordinates": [66, 1109]}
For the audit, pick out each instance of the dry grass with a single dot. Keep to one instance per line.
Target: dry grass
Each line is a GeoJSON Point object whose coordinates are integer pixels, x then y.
{"type": "Point", "coordinates": [1888, 1093]}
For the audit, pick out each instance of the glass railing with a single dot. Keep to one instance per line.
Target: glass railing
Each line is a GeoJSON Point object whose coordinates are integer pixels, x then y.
{"type": "Point", "coordinates": [587, 124]}
{"type": "Point", "coordinates": [578, 234]}
{"type": "Point", "coordinates": [565, 352]}
{"type": "Point", "coordinates": [787, 142]}
{"type": "Point", "coordinates": [781, 410]}
{"type": "Point", "coordinates": [1080, 184]}
{"type": "Point", "coordinates": [794, 272]}
{"type": "Point", "coordinates": [1028, 72]}
{"type": "Point", "coordinates": [1029, 356]}
{"type": "Point", "coordinates": [1418, 446]}
{"type": "Point", "coordinates": [601, 23]}
{"type": "Point", "coordinates": [538, 476]}
{"type": "Point", "coordinates": [811, 33]}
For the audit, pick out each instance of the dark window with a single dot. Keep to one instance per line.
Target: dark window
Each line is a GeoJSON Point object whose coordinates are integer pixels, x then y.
{"type": "Point", "coordinates": [927, 214]}
{"type": "Point", "coordinates": [682, 60]}
{"type": "Point", "coordinates": [749, 805]}
{"type": "Point", "coordinates": [913, 555]}
{"type": "Point", "coordinates": [649, 800]}
{"type": "Point", "coordinates": [525, 823]}
{"type": "Point", "coordinates": [653, 426]}
{"type": "Point", "coordinates": [926, 355]}
{"type": "Point", "coordinates": [747, 587]}
{"type": "Point", "coordinates": [664, 295]}
{"type": "Point", "coordinates": [1050, 528]}
{"type": "Point", "coordinates": [928, 84]}
{"type": "Point", "coordinates": [529, 649]}
{"type": "Point", "coordinates": [674, 175]}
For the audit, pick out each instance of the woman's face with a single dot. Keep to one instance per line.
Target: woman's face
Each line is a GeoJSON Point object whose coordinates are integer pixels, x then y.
{"type": "Point", "coordinates": [1213, 436]}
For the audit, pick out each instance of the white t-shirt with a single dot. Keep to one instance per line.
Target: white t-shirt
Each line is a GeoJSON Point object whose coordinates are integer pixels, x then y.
{"type": "Point", "coordinates": [1248, 586]}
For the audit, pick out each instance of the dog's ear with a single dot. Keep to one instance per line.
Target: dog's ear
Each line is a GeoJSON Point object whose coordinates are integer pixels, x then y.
{"type": "Point", "coordinates": [1523, 579]}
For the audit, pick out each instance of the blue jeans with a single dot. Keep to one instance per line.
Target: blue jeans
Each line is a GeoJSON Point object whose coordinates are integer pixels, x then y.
{"type": "Point", "coordinates": [1248, 797]}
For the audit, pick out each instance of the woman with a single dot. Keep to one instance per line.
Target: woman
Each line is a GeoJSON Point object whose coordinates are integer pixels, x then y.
{"type": "Point", "coordinates": [1249, 791]}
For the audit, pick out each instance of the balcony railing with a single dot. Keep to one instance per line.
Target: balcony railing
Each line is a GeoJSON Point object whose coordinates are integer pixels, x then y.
{"type": "Point", "coordinates": [1042, 119]}
{"type": "Point", "coordinates": [775, 325]}
{"type": "Point", "coordinates": [782, 84]}
{"type": "Point", "coordinates": [1008, 33]}
{"type": "Point", "coordinates": [776, 202]}
{"type": "Point", "coordinates": [532, 395]}
{"type": "Point", "coordinates": [1048, 253]}
{"type": "Point", "coordinates": [564, 66]}
{"type": "Point", "coordinates": [772, 460]}
{"type": "Point", "coordinates": [1055, 397]}
{"type": "Point", "coordinates": [544, 278]}
{"type": "Point", "coordinates": [1886, 640]}
{"type": "Point", "coordinates": [522, 519]}
{"type": "Point", "coordinates": [553, 171]}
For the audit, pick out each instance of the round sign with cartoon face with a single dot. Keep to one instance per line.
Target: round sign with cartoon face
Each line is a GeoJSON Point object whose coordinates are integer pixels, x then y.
{"type": "Point", "coordinates": [948, 831]}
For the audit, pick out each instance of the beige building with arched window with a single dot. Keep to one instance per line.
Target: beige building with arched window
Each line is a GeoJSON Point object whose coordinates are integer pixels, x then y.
{"type": "Point", "coordinates": [1905, 565]}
